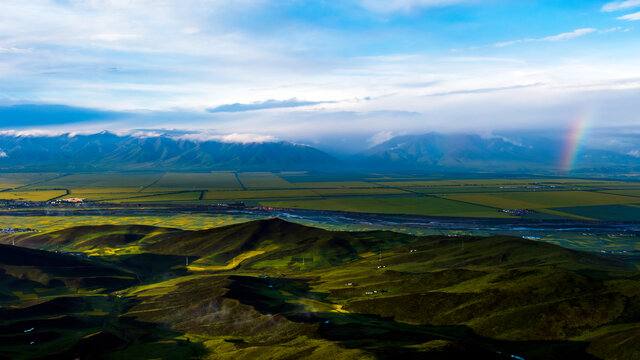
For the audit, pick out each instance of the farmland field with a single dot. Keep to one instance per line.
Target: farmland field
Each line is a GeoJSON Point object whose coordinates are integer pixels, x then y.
{"type": "Point", "coordinates": [43, 195]}
{"type": "Point", "coordinates": [182, 221]}
{"type": "Point", "coordinates": [370, 193]}
{"type": "Point", "coordinates": [430, 206]}
{"type": "Point", "coordinates": [212, 180]}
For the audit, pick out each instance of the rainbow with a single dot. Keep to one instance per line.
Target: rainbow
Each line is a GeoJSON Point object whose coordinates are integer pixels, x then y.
{"type": "Point", "coordinates": [575, 138]}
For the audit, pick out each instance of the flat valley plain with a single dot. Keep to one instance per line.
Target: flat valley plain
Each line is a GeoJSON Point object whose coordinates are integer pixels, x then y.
{"type": "Point", "coordinates": [549, 198]}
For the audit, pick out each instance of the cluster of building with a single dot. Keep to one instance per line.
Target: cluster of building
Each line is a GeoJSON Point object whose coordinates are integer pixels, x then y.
{"type": "Point", "coordinates": [70, 200]}
{"type": "Point", "coordinates": [373, 292]}
{"type": "Point", "coordinates": [76, 254]}
{"type": "Point", "coordinates": [16, 230]}
{"type": "Point", "coordinates": [518, 212]}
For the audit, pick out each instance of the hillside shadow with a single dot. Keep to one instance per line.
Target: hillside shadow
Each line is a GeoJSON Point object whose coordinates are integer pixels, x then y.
{"type": "Point", "coordinates": [386, 338]}
{"type": "Point", "coordinates": [65, 328]}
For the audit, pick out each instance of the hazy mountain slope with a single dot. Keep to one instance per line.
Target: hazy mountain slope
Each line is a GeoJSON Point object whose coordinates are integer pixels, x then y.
{"type": "Point", "coordinates": [107, 151]}
{"type": "Point", "coordinates": [463, 152]}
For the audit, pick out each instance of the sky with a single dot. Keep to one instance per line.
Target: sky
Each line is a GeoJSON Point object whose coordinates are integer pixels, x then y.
{"type": "Point", "coordinates": [347, 74]}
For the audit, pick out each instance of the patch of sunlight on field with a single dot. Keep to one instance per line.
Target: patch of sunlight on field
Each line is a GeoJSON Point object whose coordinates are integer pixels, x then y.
{"type": "Point", "coordinates": [43, 195]}
{"type": "Point", "coordinates": [107, 196]}
{"type": "Point", "coordinates": [104, 191]}
{"type": "Point", "coordinates": [22, 296]}
{"type": "Point", "coordinates": [102, 180]}
{"type": "Point", "coordinates": [107, 251]}
{"type": "Point", "coordinates": [201, 266]}
{"type": "Point", "coordinates": [5, 186]}
{"type": "Point", "coordinates": [181, 221]}
{"type": "Point", "coordinates": [176, 197]}
{"type": "Point", "coordinates": [160, 288]}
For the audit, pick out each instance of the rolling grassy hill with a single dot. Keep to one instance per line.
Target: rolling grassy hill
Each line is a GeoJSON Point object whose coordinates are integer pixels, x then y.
{"type": "Point", "coordinates": [275, 289]}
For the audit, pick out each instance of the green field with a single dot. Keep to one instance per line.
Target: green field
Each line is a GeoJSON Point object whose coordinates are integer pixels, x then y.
{"type": "Point", "coordinates": [182, 221]}
{"type": "Point", "coordinates": [212, 180]}
{"type": "Point", "coordinates": [422, 205]}
{"type": "Point", "coordinates": [41, 195]}
{"type": "Point", "coordinates": [370, 193]}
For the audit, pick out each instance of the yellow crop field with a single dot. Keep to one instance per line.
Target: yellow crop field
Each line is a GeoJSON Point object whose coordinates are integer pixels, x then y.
{"type": "Point", "coordinates": [43, 195]}
{"type": "Point", "coordinates": [114, 190]}
{"type": "Point", "coordinates": [181, 221]}
{"type": "Point", "coordinates": [105, 180]}
{"type": "Point", "coordinates": [176, 197]}
{"type": "Point", "coordinates": [105, 196]}
{"type": "Point", "coordinates": [12, 180]}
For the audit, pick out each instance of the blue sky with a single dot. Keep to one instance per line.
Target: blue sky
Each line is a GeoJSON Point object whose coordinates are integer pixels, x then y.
{"type": "Point", "coordinates": [312, 70]}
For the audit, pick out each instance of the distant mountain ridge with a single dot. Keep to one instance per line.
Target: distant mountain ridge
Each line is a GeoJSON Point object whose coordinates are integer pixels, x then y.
{"type": "Point", "coordinates": [108, 151]}
{"type": "Point", "coordinates": [172, 151]}
{"type": "Point", "coordinates": [470, 152]}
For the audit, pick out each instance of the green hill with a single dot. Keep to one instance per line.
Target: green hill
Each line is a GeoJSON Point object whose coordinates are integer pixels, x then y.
{"type": "Point", "coordinates": [291, 291]}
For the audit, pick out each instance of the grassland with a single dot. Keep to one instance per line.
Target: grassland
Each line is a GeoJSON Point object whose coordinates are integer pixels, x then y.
{"type": "Point", "coordinates": [423, 205]}
{"type": "Point", "coordinates": [42, 195]}
{"type": "Point", "coordinates": [282, 290]}
{"type": "Point", "coordinates": [587, 199]}
{"type": "Point", "coordinates": [182, 221]}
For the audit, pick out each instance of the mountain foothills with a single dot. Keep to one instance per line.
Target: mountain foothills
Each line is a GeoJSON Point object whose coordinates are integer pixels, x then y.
{"type": "Point", "coordinates": [275, 289]}
{"type": "Point", "coordinates": [463, 152]}
{"type": "Point", "coordinates": [107, 151]}
{"type": "Point", "coordinates": [428, 152]}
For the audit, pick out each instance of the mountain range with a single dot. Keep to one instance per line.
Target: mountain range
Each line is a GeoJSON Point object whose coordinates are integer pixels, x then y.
{"type": "Point", "coordinates": [433, 152]}
{"type": "Point", "coordinates": [471, 152]}
{"type": "Point", "coordinates": [108, 151]}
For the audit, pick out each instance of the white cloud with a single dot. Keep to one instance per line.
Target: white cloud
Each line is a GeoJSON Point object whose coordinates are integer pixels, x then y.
{"type": "Point", "coordinates": [391, 6]}
{"type": "Point", "coordinates": [127, 55]}
{"type": "Point", "coordinates": [380, 137]}
{"type": "Point", "coordinates": [13, 50]}
{"type": "Point", "coordinates": [483, 59]}
{"type": "Point", "coordinates": [567, 36]}
{"type": "Point", "coordinates": [559, 37]}
{"type": "Point", "coordinates": [229, 138]}
{"type": "Point", "coordinates": [190, 30]}
{"type": "Point", "coordinates": [630, 17]}
{"type": "Point", "coordinates": [634, 153]}
{"type": "Point", "coordinates": [31, 133]}
{"type": "Point", "coordinates": [613, 29]}
{"type": "Point", "coordinates": [146, 134]}
{"type": "Point", "coordinates": [3, 154]}
{"type": "Point", "coordinates": [113, 37]}
{"type": "Point", "coordinates": [620, 5]}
